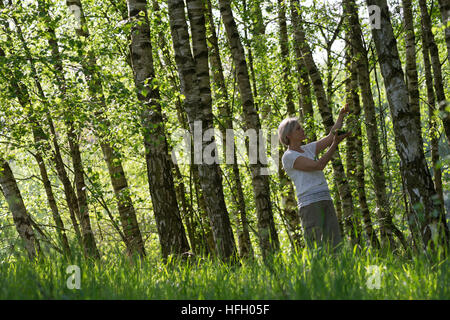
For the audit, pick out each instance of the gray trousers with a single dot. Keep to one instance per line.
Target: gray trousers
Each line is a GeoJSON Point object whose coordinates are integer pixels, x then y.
{"type": "Point", "coordinates": [320, 224]}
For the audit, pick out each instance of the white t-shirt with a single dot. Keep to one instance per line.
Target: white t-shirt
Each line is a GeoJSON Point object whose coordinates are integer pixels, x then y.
{"type": "Point", "coordinates": [311, 186]}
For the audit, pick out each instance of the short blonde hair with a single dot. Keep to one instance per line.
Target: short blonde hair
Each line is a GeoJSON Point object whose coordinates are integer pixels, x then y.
{"type": "Point", "coordinates": [285, 128]}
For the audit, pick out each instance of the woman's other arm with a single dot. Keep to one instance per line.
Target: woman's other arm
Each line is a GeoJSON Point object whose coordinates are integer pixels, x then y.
{"type": "Point", "coordinates": [306, 164]}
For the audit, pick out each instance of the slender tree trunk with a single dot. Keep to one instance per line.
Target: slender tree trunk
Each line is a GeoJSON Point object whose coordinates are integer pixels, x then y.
{"type": "Point", "coordinates": [21, 218]}
{"type": "Point", "coordinates": [198, 233]}
{"type": "Point", "coordinates": [413, 165]}
{"type": "Point", "coordinates": [112, 157]}
{"type": "Point", "coordinates": [79, 203]}
{"type": "Point", "coordinates": [253, 21]}
{"type": "Point", "coordinates": [60, 230]}
{"type": "Point", "coordinates": [411, 67]}
{"type": "Point", "coordinates": [170, 227]}
{"type": "Point", "coordinates": [351, 223]}
{"type": "Point", "coordinates": [387, 228]}
{"type": "Point", "coordinates": [286, 64]}
{"type": "Point", "coordinates": [288, 201]}
{"type": "Point", "coordinates": [268, 237]}
{"type": "Point", "coordinates": [207, 238]}
{"type": "Point", "coordinates": [429, 41]}
{"type": "Point", "coordinates": [355, 155]}
{"type": "Point", "coordinates": [243, 235]}
{"type": "Point", "coordinates": [69, 192]}
{"type": "Point", "coordinates": [41, 142]}
{"type": "Point", "coordinates": [185, 209]}
{"type": "Point", "coordinates": [306, 112]}
{"type": "Point", "coordinates": [194, 77]}
{"type": "Point", "coordinates": [70, 196]}
{"type": "Point", "coordinates": [444, 6]}
{"type": "Point", "coordinates": [433, 130]}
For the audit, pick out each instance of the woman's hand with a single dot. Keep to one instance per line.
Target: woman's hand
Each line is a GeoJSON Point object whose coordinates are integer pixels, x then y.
{"type": "Point", "coordinates": [338, 138]}
{"type": "Point", "coordinates": [344, 111]}
{"type": "Point", "coordinates": [338, 123]}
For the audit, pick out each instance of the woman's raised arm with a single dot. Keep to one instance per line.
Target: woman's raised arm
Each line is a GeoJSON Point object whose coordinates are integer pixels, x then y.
{"type": "Point", "coordinates": [328, 140]}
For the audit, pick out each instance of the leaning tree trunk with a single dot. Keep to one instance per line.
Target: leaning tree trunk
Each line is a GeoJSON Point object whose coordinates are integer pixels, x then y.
{"type": "Point", "coordinates": [69, 192]}
{"type": "Point", "coordinates": [112, 156]}
{"type": "Point", "coordinates": [22, 219]}
{"type": "Point", "coordinates": [429, 41]}
{"type": "Point", "coordinates": [79, 203]}
{"type": "Point", "coordinates": [268, 237]}
{"type": "Point", "coordinates": [413, 166]}
{"type": "Point", "coordinates": [351, 223]}
{"type": "Point", "coordinates": [194, 78]}
{"type": "Point", "coordinates": [41, 144]}
{"type": "Point", "coordinates": [387, 228]}
{"type": "Point", "coordinates": [171, 231]}
{"type": "Point", "coordinates": [39, 140]}
{"type": "Point", "coordinates": [243, 234]}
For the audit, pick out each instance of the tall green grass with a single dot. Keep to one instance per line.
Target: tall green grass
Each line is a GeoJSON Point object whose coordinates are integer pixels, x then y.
{"type": "Point", "coordinates": [307, 274]}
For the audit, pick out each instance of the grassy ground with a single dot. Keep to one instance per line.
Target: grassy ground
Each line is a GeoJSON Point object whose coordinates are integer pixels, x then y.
{"type": "Point", "coordinates": [303, 275]}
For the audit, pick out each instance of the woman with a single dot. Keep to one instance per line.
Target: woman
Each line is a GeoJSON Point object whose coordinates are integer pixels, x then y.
{"type": "Point", "coordinates": [300, 161]}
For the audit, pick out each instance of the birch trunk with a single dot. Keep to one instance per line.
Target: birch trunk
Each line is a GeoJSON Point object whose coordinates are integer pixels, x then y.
{"type": "Point", "coordinates": [21, 218]}
{"type": "Point", "coordinates": [241, 221]}
{"type": "Point", "coordinates": [288, 200]}
{"type": "Point", "coordinates": [444, 7]}
{"type": "Point", "coordinates": [355, 155]}
{"type": "Point", "coordinates": [42, 144]}
{"type": "Point", "coordinates": [411, 67]}
{"type": "Point", "coordinates": [112, 157]}
{"type": "Point", "coordinates": [170, 227]}
{"type": "Point", "coordinates": [429, 41]}
{"type": "Point", "coordinates": [194, 78]}
{"type": "Point", "coordinates": [413, 166]}
{"type": "Point", "coordinates": [433, 130]}
{"type": "Point", "coordinates": [286, 64]}
{"type": "Point", "coordinates": [268, 237]}
{"type": "Point", "coordinates": [387, 228]}
{"type": "Point", "coordinates": [306, 112]}
{"type": "Point", "coordinates": [198, 237]}
{"type": "Point", "coordinates": [60, 229]}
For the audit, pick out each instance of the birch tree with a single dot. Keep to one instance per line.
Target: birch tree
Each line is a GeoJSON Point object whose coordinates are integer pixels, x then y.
{"type": "Point", "coordinates": [41, 146]}
{"type": "Point", "coordinates": [429, 41]}
{"type": "Point", "coordinates": [194, 79]}
{"type": "Point", "coordinates": [226, 116]}
{"type": "Point", "coordinates": [170, 227]}
{"type": "Point", "coordinates": [111, 155]}
{"type": "Point", "coordinates": [387, 228]}
{"type": "Point", "coordinates": [288, 200]}
{"type": "Point", "coordinates": [267, 234]}
{"type": "Point", "coordinates": [21, 217]}
{"type": "Point", "coordinates": [413, 166]}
